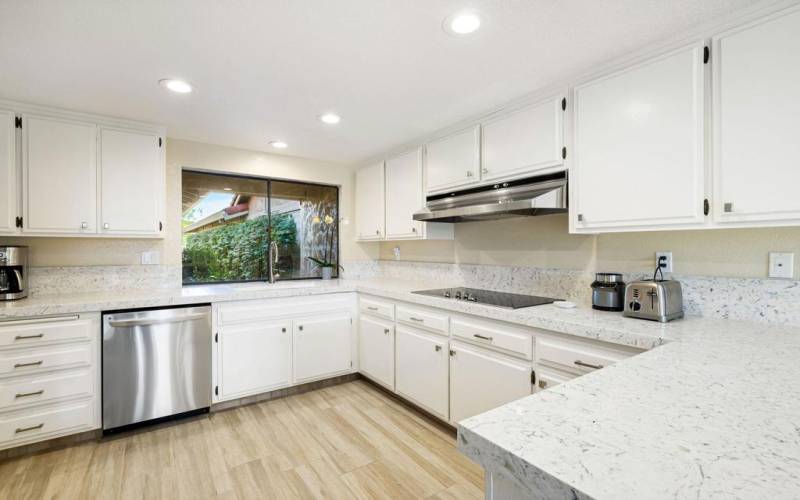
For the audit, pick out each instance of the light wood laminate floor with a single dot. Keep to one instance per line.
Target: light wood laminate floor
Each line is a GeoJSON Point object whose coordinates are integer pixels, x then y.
{"type": "Point", "coordinates": [347, 441]}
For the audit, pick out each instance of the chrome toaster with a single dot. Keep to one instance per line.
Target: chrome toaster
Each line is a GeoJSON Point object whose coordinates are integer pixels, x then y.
{"type": "Point", "coordinates": [657, 300]}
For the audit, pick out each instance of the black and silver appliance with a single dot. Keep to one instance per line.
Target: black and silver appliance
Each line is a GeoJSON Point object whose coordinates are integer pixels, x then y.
{"type": "Point", "coordinates": [13, 272]}
{"type": "Point", "coordinates": [489, 297]}
{"type": "Point", "coordinates": [608, 292]}
{"type": "Point", "coordinates": [156, 364]}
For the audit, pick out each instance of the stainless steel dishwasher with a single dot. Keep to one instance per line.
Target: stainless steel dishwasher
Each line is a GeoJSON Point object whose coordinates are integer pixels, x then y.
{"type": "Point", "coordinates": [156, 364]}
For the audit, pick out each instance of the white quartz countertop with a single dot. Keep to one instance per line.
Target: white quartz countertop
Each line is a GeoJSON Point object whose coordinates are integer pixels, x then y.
{"type": "Point", "coordinates": [711, 411]}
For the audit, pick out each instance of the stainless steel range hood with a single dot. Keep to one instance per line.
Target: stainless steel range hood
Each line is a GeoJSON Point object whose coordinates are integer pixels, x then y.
{"type": "Point", "coordinates": [542, 195]}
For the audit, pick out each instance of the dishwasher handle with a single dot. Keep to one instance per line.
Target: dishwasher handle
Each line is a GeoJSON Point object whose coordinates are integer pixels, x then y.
{"type": "Point", "coordinates": [155, 321]}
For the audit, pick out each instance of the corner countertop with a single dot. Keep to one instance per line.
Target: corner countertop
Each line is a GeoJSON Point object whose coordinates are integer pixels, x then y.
{"type": "Point", "coordinates": [711, 410]}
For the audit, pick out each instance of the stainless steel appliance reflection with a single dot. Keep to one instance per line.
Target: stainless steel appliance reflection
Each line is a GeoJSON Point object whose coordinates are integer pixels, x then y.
{"type": "Point", "coordinates": [156, 364]}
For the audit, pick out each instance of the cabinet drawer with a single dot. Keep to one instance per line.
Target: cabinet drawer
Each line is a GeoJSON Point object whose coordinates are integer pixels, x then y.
{"type": "Point", "coordinates": [42, 423]}
{"type": "Point", "coordinates": [251, 311]}
{"type": "Point", "coordinates": [39, 332]}
{"type": "Point", "coordinates": [577, 356]}
{"type": "Point", "coordinates": [375, 307]}
{"type": "Point", "coordinates": [493, 334]}
{"type": "Point", "coordinates": [20, 362]}
{"type": "Point", "coordinates": [17, 392]}
{"type": "Point", "coordinates": [423, 318]}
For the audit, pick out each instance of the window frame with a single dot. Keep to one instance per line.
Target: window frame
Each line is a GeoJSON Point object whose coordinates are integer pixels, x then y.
{"type": "Point", "coordinates": [269, 181]}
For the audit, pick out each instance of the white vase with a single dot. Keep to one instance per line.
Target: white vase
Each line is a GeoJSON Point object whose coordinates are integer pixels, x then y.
{"type": "Point", "coordinates": [327, 273]}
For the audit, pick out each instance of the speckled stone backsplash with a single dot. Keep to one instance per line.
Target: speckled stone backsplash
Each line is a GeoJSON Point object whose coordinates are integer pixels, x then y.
{"type": "Point", "coordinates": [763, 300]}
{"type": "Point", "coordinates": [86, 279]}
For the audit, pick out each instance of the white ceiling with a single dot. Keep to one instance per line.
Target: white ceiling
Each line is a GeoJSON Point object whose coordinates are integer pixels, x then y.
{"type": "Point", "coordinates": [265, 69]}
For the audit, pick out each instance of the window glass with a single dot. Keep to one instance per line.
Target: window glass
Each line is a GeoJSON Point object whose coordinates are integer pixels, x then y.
{"type": "Point", "coordinates": [226, 223]}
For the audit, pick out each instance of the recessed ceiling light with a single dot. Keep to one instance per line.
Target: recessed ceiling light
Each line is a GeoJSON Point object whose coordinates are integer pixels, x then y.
{"type": "Point", "coordinates": [177, 86]}
{"type": "Point", "coordinates": [462, 23]}
{"type": "Point", "coordinates": [330, 118]}
{"type": "Point", "coordinates": [278, 144]}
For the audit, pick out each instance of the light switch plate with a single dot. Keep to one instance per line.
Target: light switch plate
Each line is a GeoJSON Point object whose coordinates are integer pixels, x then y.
{"type": "Point", "coordinates": [150, 258]}
{"type": "Point", "coordinates": [668, 255]}
{"type": "Point", "coordinates": [781, 265]}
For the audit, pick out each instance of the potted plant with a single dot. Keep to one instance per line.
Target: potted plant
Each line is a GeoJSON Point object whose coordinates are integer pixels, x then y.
{"type": "Point", "coordinates": [326, 261]}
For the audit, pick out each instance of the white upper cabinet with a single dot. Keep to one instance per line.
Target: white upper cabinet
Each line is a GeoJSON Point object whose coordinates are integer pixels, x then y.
{"type": "Point", "coordinates": [756, 129]}
{"type": "Point", "coordinates": [453, 161]}
{"type": "Point", "coordinates": [638, 146]}
{"type": "Point", "coordinates": [132, 182]}
{"type": "Point", "coordinates": [404, 195]}
{"type": "Point", "coordinates": [523, 142]}
{"type": "Point", "coordinates": [370, 203]}
{"type": "Point", "coordinates": [8, 173]}
{"type": "Point", "coordinates": [59, 175]}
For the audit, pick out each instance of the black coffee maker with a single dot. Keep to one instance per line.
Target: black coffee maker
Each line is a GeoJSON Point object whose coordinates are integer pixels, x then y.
{"type": "Point", "coordinates": [13, 272]}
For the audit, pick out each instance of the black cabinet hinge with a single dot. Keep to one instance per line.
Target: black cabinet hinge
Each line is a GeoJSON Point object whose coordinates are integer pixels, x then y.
{"type": "Point", "coordinates": [706, 55]}
{"type": "Point", "coordinates": [18, 221]}
{"type": "Point", "coordinates": [18, 121]}
{"type": "Point", "coordinates": [216, 390]}
{"type": "Point", "coordinates": [159, 142]}
{"type": "Point", "coordinates": [706, 207]}
{"type": "Point", "coordinates": [533, 377]}
{"type": "Point", "coordinates": [564, 153]}
{"type": "Point", "coordinates": [564, 104]}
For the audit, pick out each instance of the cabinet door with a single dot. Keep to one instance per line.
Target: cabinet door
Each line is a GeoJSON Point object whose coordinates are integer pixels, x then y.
{"type": "Point", "coordinates": [376, 350]}
{"type": "Point", "coordinates": [322, 346]}
{"type": "Point", "coordinates": [404, 195]}
{"type": "Point", "coordinates": [453, 161]}
{"type": "Point", "coordinates": [132, 179]}
{"type": "Point", "coordinates": [639, 145]}
{"type": "Point", "coordinates": [480, 381]}
{"type": "Point", "coordinates": [59, 176]}
{"type": "Point", "coordinates": [8, 173]}
{"type": "Point", "coordinates": [527, 140]}
{"type": "Point", "coordinates": [422, 366]}
{"type": "Point", "coordinates": [756, 127]}
{"type": "Point", "coordinates": [370, 203]}
{"type": "Point", "coordinates": [254, 358]}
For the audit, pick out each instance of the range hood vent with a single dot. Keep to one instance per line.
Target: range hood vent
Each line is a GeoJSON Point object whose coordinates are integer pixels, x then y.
{"type": "Point", "coordinates": [541, 195]}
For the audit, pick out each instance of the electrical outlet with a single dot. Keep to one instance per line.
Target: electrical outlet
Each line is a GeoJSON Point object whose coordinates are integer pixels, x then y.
{"type": "Point", "coordinates": [781, 265]}
{"type": "Point", "coordinates": [668, 267]}
{"type": "Point", "coordinates": [150, 258]}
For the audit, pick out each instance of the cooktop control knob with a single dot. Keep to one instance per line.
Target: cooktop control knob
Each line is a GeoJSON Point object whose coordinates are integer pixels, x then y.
{"type": "Point", "coordinates": [458, 295]}
{"type": "Point", "coordinates": [447, 294]}
{"type": "Point", "coordinates": [472, 298]}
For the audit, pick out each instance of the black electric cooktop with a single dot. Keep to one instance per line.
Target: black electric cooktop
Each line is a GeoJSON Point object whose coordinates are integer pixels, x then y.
{"type": "Point", "coordinates": [499, 299]}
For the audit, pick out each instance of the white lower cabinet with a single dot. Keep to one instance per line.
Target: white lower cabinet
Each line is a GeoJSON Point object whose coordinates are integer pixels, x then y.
{"type": "Point", "coordinates": [254, 358]}
{"type": "Point", "coordinates": [422, 369]}
{"type": "Point", "coordinates": [49, 378]}
{"type": "Point", "coordinates": [481, 380]}
{"type": "Point", "coordinates": [322, 346]}
{"type": "Point", "coordinates": [376, 350]}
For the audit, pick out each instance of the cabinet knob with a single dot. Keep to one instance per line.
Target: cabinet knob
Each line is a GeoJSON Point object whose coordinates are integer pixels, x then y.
{"type": "Point", "coordinates": [283, 330]}
{"type": "Point", "coordinates": [485, 170]}
{"type": "Point", "coordinates": [106, 226]}
{"type": "Point", "coordinates": [452, 352]}
{"type": "Point", "coordinates": [84, 225]}
{"type": "Point", "coordinates": [580, 217]}
{"type": "Point", "coordinates": [378, 232]}
{"type": "Point", "coordinates": [469, 173]}
{"type": "Point", "coordinates": [437, 348]}
{"type": "Point", "coordinates": [542, 384]}
{"type": "Point", "coordinates": [413, 230]}
{"type": "Point", "coordinates": [300, 328]}
{"type": "Point", "coordinates": [728, 207]}
{"type": "Point", "coordinates": [386, 331]}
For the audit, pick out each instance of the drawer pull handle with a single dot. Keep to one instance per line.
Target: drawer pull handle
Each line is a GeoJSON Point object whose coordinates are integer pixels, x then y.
{"type": "Point", "coordinates": [578, 362]}
{"type": "Point", "coordinates": [418, 320]}
{"type": "Point", "coordinates": [23, 365]}
{"type": "Point", "coordinates": [26, 337]}
{"type": "Point", "coordinates": [28, 394]}
{"type": "Point", "coordinates": [372, 308]}
{"type": "Point", "coordinates": [31, 428]}
{"type": "Point", "coordinates": [483, 337]}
